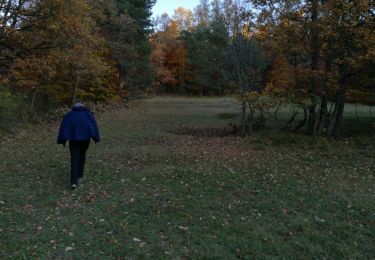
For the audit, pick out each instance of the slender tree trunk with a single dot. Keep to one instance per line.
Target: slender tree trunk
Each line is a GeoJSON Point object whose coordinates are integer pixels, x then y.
{"type": "Point", "coordinates": [314, 65]}
{"type": "Point", "coordinates": [305, 115]}
{"type": "Point", "coordinates": [243, 120]}
{"type": "Point", "coordinates": [337, 127]}
{"type": "Point", "coordinates": [312, 118]}
{"type": "Point", "coordinates": [319, 124]}
{"type": "Point", "coordinates": [220, 85]}
{"type": "Point", "coordinates": [356, 113]}
{"type": "Point", "coordinates": [332, 119]}
{"type": "Point", "coordinates": [182, 85]}
{"type": "Point", "coordinates": [33, 98]}
{"type": "Point", "coordinates": [74, 90]}
{"type": "Point", "coordinates": [324, 113]}
{"type": "Point", "coordinates": [290, 121]}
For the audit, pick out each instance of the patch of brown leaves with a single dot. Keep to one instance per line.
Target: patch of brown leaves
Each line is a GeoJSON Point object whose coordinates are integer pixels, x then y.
{"type": "Point", "coordinates": [229, 149]}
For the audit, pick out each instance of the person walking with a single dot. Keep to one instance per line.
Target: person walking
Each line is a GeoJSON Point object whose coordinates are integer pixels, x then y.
{"type": "Point", "coordinates": [78, 127]}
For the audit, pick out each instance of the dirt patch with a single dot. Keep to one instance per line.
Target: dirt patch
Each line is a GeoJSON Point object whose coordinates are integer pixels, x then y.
{"type": "Point", "coordinates": [220, 145]}
{"type": "Point", "coordinates": [222, 150]}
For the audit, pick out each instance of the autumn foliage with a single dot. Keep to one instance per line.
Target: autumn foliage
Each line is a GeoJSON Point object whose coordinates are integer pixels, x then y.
{"type": "Point", "coordinates": [55, 52]}
{"type": "Point", "coordinates": [313, 56]}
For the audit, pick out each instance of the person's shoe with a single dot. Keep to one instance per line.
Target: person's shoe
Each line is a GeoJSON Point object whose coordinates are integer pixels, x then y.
{"type": "Point", "coordinates": [74, 186]}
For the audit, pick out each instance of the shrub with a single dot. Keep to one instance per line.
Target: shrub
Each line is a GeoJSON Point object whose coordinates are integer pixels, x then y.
{"type": "Point", "coordinates": [11, 110]}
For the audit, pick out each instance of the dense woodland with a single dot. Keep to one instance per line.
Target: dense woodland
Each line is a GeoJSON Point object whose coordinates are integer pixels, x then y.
{"type": "Point", "coordinates": [54, 52]}
{"type": "Point", "coordinates": [313, 56]}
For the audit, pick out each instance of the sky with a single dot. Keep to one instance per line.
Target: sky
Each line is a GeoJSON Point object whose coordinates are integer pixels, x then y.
{"type": "Point", "coordinates": [168, 6]}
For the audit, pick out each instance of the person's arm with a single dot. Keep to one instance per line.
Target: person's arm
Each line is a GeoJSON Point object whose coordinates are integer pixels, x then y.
{"type": "Point", "coordinates": [96, 138]}
{"type": "Point", "coordinates": [60, 139]}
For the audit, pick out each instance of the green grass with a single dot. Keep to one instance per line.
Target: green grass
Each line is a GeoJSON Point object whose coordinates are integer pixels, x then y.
{"type": "Point", "coordinates": [153, 194]}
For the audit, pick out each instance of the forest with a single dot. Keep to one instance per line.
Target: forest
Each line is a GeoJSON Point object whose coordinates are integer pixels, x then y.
{"type": "Point", "coordinates": [53, 53]}
{"type": "Point", "coordinates": [312, 56]}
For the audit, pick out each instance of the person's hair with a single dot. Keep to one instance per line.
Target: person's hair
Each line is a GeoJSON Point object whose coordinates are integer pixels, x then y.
{"type": "Point", "coordinates": [79, 104]}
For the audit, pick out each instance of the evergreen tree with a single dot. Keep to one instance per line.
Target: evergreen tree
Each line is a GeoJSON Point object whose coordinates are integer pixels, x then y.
{"type": "Point", "coordinates": [129, 31]}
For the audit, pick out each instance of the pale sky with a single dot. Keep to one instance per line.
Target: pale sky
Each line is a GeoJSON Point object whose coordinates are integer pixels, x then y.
{"type": "Point", "coordinates": [168, 6]}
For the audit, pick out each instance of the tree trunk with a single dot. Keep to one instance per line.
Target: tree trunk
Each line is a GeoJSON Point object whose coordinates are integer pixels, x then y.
{"type": "Point", "coordinates": [324, 113]}
{"type": "Point", "coordinates": [243, 120]}
{"type": "Point", "coordinates": [332, 117]}
{"type": "Point", "coordinates": [337, 126]}
{"type": "Point", "coordinates": [33, 98]}
{"type": "Point", "coordinates": [314, 65]}
{"type": "Point", "coordinates": [74, 90]}
{"type": "Point", "coordinates": [319, 124]}
{"type": "Point", "coordinates": [298, 127]}
{"type": "Point", "coordinates": [290, 121]}
{"type": "Point", "coordinates": [312, 118]}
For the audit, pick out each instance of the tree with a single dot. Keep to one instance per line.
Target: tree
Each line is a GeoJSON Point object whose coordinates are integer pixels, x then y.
{"type": "Point", "coordinates": [168, 58]}
{"type": "Point", "coordinates": [351, 40]}
{"type": "Point", "coordinates": [184, 18]}
{"type": "Point", "coordinates": [327, 57]}
{"type": "Point", "coordinates": [202, 13]}
{"type": "Point", "coordinates": [64, 50]}
{"type": "Point", "coordinates": [128, 33]}
{"type": "Point", "coordinates": [12, 14]}
{"type": "Point", "coordinates": [249, 63]}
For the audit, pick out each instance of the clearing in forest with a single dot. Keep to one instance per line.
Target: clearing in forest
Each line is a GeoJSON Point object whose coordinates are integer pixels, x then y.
{"type": "Point", "coordinates": [169, 181]}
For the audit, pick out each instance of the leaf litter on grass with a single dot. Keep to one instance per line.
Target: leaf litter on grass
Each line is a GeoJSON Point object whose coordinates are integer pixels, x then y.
{"type": "Point", "coordinates": [184, 195]}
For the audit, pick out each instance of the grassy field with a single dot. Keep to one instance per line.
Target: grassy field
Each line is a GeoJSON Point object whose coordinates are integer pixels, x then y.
{"type": "Point", "coordinates": [163, 184]}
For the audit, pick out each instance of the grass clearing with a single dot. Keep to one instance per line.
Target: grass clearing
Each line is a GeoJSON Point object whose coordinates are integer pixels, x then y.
{"type": "Point", "coordinates": [153, 194]}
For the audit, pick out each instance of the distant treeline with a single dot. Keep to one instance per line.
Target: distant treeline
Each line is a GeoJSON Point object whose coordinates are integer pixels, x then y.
{"type": "Point", "coordinates": [312, 55]}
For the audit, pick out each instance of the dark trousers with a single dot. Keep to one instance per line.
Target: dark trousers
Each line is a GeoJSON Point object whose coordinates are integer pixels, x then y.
{"type": "Point", "coordinates": [78, 151]}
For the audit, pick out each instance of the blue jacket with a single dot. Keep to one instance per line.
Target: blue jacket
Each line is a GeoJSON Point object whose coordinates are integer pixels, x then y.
{"type": "Point", "coordinates": [78, 124]}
